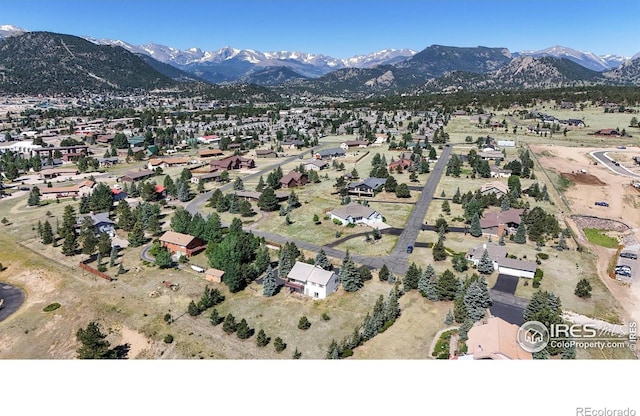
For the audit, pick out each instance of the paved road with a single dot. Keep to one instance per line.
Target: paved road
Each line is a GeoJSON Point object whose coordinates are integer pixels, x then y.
{"type": "Point", "coordinates": [13, 299]}
{"type": "Point", "coordinates": [602, 158]}
{"type": "Point", "coordinates": [397, 261]}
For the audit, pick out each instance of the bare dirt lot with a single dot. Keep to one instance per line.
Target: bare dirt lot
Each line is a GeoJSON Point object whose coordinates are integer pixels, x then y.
{"type": "Point", "coordinates": [582, 190]}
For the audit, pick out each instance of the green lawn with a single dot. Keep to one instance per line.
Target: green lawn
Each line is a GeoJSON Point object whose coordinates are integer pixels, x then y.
{"type": "Point", "coordinates": [598, 237]}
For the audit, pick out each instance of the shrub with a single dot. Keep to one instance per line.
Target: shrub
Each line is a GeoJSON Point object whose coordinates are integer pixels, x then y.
{"type": "Point", "coordinates": [543, 256]}
{"type": "Point", "coordinates": [325, 316]}
{"type": "Point", "coordinates": [168, 339]}
{"type": "Point", "coordinates": [279, 344]}
{"type": "Point", "coordinates": [337, 221]}
{"type": "Point", "coordinates": [167, 318]}
{"type": "Point", "coordinates": [51, 307]}
{"type": "Point", "coordinates": [351, 225]}
{"type": "Point", "coordinates": [304, 323]}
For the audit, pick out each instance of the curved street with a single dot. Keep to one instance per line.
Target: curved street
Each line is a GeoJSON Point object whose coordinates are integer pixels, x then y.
{"type": "Point", "coordinates": [603, 158]}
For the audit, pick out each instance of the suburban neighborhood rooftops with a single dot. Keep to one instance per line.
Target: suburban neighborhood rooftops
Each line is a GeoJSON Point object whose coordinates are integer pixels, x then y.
{"type": "Point", "coordinates": [525, 265]}
{"type": "Point", "coordinates": [177, 238]}
{"type": "Point", "coordinates": [353, 210]}
{"type": "Point", "coordinates": [497, 339]}
{"type": "Point", "coordinates": [304, 272]}
{"type": "Point", "coordinates": [496, 252]}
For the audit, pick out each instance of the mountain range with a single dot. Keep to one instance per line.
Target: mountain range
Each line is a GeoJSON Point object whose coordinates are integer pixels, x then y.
{"type": "Point", "coordinates": [69, 63]}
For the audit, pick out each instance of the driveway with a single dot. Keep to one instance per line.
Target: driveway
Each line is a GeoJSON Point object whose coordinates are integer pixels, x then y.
{"type": "Point", "coordinates": [13, 299]}
{"type": "Point", "coordinates": [506, 284]}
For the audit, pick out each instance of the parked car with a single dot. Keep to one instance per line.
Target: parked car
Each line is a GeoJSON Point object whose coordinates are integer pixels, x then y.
{"type": "Point", "coordinates": [410, 249]}
{"type": "Point", "coordinates": [602, 204]}
{"type": "Point", "coordinates": [627, 255]}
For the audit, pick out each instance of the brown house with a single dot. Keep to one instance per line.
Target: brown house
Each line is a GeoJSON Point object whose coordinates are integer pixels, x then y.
{"type": "Point", "coordinates": [214, 275]}
{"type": "Point", "coordinates": [210, 153]}
{"type": "Point", "coordinates": [136, 176]}
{"type": "Point", "coordinates": [266, 153]}
{"type": "Point", "coordinates": [233, 162]}
{"type": "Point", "coordinates": [293, 179]}
{"type": "Point", "coordinates": [182, 244]}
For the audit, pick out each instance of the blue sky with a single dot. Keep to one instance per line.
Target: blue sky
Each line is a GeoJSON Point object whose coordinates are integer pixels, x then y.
{"type": "Point", "coordinates": [341, 28]}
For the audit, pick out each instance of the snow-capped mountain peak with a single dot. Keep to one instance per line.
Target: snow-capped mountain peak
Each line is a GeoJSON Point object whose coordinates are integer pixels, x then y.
{"type": "Point", "coordinates": [586, 59]}
{"type": "Point", "coordinates": [10, 30]}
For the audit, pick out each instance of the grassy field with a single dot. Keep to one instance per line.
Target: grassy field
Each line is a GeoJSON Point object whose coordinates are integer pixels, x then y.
{"type": "Point", "coordinates": [600, 238]}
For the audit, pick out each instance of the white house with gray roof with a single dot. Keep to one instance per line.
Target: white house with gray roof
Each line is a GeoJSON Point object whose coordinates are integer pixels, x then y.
{"type": "Point", "coordinates": [355, 213]}
{"type": "Point", "coordinates": [311, 281]}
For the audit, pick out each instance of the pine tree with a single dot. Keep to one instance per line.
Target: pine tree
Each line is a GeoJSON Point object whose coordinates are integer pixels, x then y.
{"type": "Point", "coordinates": [474, 301]}
{"type": "Point", "coordinates": [47, 233]}
{"type": "Point", "coordinates": [262, 339]}
{"type": "Point", "coordinates": [392, 306]}
{"type": "Point", "coordinates": [447, 285]}
{"type": "Point", "coordinates": [383, 274]}
{"type": "Point", "coordinates": [215, 317]}
{"type": "Point", "coordinates": [438, 251]}
{"type": "Point", "coordinates": [350, 276]}
{"type": "Point", "coordinates": [94, 343]}
{"type": "Point", "coordinates": [504, 204]}
{"type": "Point", "coordinates": [279, 344]}
{"type": "Point", "coordinates": [229, 325]}
{"type": "Point", "coordinates": [268, 200]}
{"type": "Point", "coordinates": [88, 236]}
{"type": "Point", "coordinates": [243, 330]}
{"type": "Point", "coordinates": [238, 185]}
{"type": "Point", "coordinates": [261, 185]}
{"type": "Point", "coordinates": [427, 284]}
{"type": "Point", "coordinates": [485, 265]}
{"type": "Point", "coordinates": [34, 197]}
{"type": "Point", "coordinates": [411, 278]}
{"type": "Point", "coordinates": [463, 331]}
{"type": "Point", "coordinates": [263, 260]}
{"type": "Point", "coordinates": [269, 284]}
{"type": "Point", "coordinates": [113, 256]}
{"type": "Point", "coordinates": [70, 244]}
{"type": "Point", "coordinates": [448, 320]}
{"type": "Point", "coordinates": [475, 229]}
{"type": "Point", "coordinates": [456, 197]}
{"type": "Point", "coordinates": [193, 309]}
{"type": "Point", "coordinates": [322, 261]}
{"type": "Point", "coordinates": [521, 234]}
{"type": "Point", "coordinates": [136, 236]}
{"type": "Point", "coordinates": [104, 244]}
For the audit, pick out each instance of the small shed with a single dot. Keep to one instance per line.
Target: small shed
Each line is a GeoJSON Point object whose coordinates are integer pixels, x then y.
{"type": "Point", "coordinates": [214, 275]}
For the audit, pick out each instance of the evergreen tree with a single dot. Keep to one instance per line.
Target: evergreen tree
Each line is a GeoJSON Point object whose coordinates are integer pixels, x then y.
{"type": "Point", "coordinates": [196, 225]}
{"type": "Point", "coordinates": [279, 344]}
{"type": "Point", "coordinates": [136, 236]}
{"type": "Point", "coordinates": [474, 301]}
{"type": "Point", "coordinates": [383, 274]}
{"type": "Point", "coordinates": [104, 244]}
{"type": "Point", "coordinates": [88, 236]}
{"type": "Point", "coordinates": [504, 204]}
{"type": "Point", "coordinates": [448, 320]}
{"type": "Point", "coordinates": [126, 219]}
{"type": "Point", "coordinates": [402, 191]}
{"type": "Point", "coordinates": [350, 276]}
{"type": "Point", "coordinates": [170, 186]}
{"type": "Point", "coordinates": [215, 317]}
{"type": "Point", "coordinates": [238, 185]}
{"type": "Point", "coordinates": [269, 285]}
{"type": "Point", "coordinates": [438, 251]}
{"type": "Point", "coordinates": [263, 260]}
{"type": "Point", "coordinates": [181, 220]}
{"type": "Point", "coordinates": [475, 229]}
{"type": "Point", "coordinates": [262, 339]}
{"type": "Point", "coordinates": [261, 185]}
{"type": "Point", "coordinates": [70, 244]}
{"type": "Point", "coordinates": [243, 330]}
{"type": "Point", "coordinates": [447, 285]}
{"type": "Point", "coordinates": [94, 343]}
{"type": "Point", "coordinates": [292, 201]}
{"type": "Point", "coordinates": [391, 184]}
{"type": "Point", "coordinates": [322, 261]}
{"type": "Point", "coordinates": [304, 323]}
{"type": "Point", "coordinates": [212, 229]}
{"type": "Point", "coordinates": [182, 190]}
{"type": "Point", "coordinates": [268, 200]}
{"type": "Point", "coordinates": [392, 306]}
{"type": "Point", "coordinates": [163, 258]}
{"type": "Point", "coordinates": [456, 197]}
{"type": "Point", "coordinates": [411, 278]}
{"type": "Point", "coordinates": [485, 265]}
{"type": "Point", "coordinates": [545, 307]}
{"type": "Point", "coordinates": [427, 285]}
{"type": "Point", "coordinates": [463, 330]}
{"type": "Point", "coordinates": [521, 234]}
{"type": "Point", "coordinates": [193, 309]}
{"type": "Point", "coordinates": [69, 221]}
{"type": "Point", "coordinates": [113, 257]}
{"type": "Point", "coordinates": [229, 325]}
{"type": "Point", "coordinates": [583, 289]}
{"type": "Point", "coordinates": [47, 233]}
{"type": "Point", "coordinates": [34, 197]}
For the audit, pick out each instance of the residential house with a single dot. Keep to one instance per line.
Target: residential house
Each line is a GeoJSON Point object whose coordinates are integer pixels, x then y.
{"type": "Point", "coordinates": [210, 153]}
{"type": "Point", "coordinates": [101, 223]}
{"type": "Point", "coordinates": [60, 192]}
{"type": "Point", "coordinates": [264, 153]}
{"type": "Point", "coordinates": [54, 173]}
{"type": "Point", "coordinates": [207, 177]}
{"type": "Point", "coordinates": [496, 339]}
{"type": "Point", "coordinates": [497, 188]}
{"type": "Point", "coordinates": [316, 164]}
{"type": "Point", "coordinates": [311, 281]}
{"type": "Point", "coordinates": [108, 161]}
{"type": "Point", "coordinates": [355, 213]}
{"type": "Point", "coordinates": [368, 187]}
{"type": "Point", "coordinates": [497, 172]}
{"type": "Point", "coordinates": [329, 153]}
{"type": "Point", "coordinates": [499, 222]}
{"type": "Point", "coordinates": [136, 176]}
{"type": "Point", "coordinates": [293, 179]}
{"type": "Point", "coordinates": [233, 162]}
{"type": "Point", "coordinates": [255, 196]}
{"type": "Point", "coordinates": [517, 268]}
{"type": "Point", "coordinates": [292, 144]}
{"type": "Point", "coordinates": [165, 163]}
{"type": "Point", "coordinates": [351, 144]}
{"type": "Point", "coordinates": [401, 163]}
{"type": "Point", "coordinates": [491, 155]}
{"type": "Point", "coordinates": [496, 253]}
{"type": "Point", "coordinates": [119, 195]}
{"type": "Point", "coordinates": [182, 244]}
